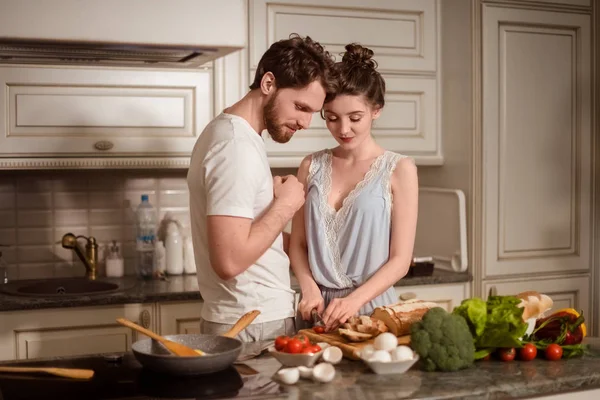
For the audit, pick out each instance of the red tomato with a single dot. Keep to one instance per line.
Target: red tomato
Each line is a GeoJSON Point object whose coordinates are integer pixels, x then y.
{"type": "Point", "coordinates": [554, 352]}
{"type": "Point", "coordinates": [281, 342]}
{"type": "Point", "coordinates": [311, 349]}
{"type": "Point", "coordinates": [507, 354]}
{"type": "Point", "coordinates": [527, 352]}
{"type": "Point", "coordinates": [294, 346]}
{"type": "Point", "coordinates": [303, 339]}
{"type": "Point", "coordinates": [319, 329]}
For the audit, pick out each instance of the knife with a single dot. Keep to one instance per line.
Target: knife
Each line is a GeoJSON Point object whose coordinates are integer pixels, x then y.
{"type": "Point", "coordinates": [317, 321]}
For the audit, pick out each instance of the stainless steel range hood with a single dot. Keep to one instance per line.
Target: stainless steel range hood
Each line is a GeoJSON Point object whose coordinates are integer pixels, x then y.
{"type": "Point", "coordinates": [133, 33]}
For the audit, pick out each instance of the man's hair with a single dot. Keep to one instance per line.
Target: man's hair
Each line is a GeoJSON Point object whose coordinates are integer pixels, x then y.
{"type": "Point", "coordinates": [296, 62]}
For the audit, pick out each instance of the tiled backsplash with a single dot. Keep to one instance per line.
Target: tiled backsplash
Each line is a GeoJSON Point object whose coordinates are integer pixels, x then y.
{"type": "Point", "coordinates": [38, 208]}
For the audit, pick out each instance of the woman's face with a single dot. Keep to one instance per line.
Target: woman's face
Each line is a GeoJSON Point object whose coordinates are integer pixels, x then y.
{"type": "Point", "coordinates": [349, 119]}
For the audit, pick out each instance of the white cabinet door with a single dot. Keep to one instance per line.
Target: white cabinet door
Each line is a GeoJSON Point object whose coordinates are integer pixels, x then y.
{"type": "Point", "coordinates": [407, 55]}
{"type": "Point", "coordinates": [111, 114]}
{"type": "Point", "coordinates": [71, 332]}
{"type": "Point", "coordinates": [567, 292]}
{"type": "Point", "coordinates": [179, 318]}
{"type": "Point", "coordinates": [447, 296]}
{"type": "Point", "coordinates": [536, 142]}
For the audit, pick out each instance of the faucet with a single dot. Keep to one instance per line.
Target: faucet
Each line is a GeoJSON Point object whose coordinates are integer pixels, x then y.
{"type": "Point", "coordinates": [89, 258]}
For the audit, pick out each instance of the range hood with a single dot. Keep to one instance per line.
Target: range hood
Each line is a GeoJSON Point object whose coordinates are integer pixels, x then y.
{"type": "Point", "coordinates": [132, 33]}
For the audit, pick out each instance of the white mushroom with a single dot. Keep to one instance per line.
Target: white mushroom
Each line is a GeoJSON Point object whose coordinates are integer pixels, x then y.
{"type": "Point", "coordinates": [289, 376]}
{"type": "Point", "coordinates": [305, 372]}
{"type": "Point", "coordinates": [332, 355]}
{"type": "Point", "coordinates": [386, 341]}
{"type": "Point", "coordinates": [381, 356]}
{"type": "Point", "coordinates": [402, 353]}
{"type": "Point", "coordinates": [323, 372]}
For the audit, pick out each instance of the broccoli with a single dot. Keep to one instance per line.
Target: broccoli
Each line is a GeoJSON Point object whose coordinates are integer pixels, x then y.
{"type": "Point", "coordinates": [443, 341]}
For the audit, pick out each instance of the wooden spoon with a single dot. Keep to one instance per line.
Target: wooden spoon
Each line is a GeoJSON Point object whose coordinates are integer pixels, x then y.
{"type": "Point", "coordinates": [63, 372]}
{"type": "Point", "coordinates": [174, 347]}
{"type": "Point", "coordinates": [241, 324]}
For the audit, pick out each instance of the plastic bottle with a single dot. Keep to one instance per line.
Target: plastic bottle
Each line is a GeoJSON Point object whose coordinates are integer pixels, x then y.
{"type": "Point", "coordinates": [160, 258]}
{"type": "Point", "coordinates": [114, 262]}
{"type": "Point", "coordinates": [189, 265]}
{"type": "Point", "coordinates": [146, 221]}
{"type": "Point", "coordinates": [174, 247]}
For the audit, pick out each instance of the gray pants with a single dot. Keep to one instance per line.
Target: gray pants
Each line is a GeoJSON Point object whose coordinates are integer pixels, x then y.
{"type": "Point", "coordinates": [256, 337]}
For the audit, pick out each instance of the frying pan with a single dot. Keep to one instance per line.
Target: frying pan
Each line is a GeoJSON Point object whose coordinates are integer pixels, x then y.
{"type": "Point", "coordinates": [221, 351]}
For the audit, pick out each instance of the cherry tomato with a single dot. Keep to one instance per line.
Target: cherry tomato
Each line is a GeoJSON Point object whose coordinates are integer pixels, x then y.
{"type": "Point", "coordinates": [281, 342]}
{"type": "Point", "coordinates": [294, 346]}
{"type": "Point", "coordinates": [487, 358]}
{"type": "Point", "coordinates": [507, 354]}
{"type": "Point", "coordinates": [312, 349]}
{"type": "Point", "coordinates": [319, 329]}
{"type": "Point", "coordinates": [303, 339]}
{"type": "Point", "coordinates": [527, 352]}
{"type": "Point", "coordinates": [554, 352]}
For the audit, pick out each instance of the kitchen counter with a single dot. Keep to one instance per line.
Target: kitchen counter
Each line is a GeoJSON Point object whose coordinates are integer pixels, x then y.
{"type": "Point", "coordinates": [253, 379]}
{"type": "Point", "coordinates": [179, 288]}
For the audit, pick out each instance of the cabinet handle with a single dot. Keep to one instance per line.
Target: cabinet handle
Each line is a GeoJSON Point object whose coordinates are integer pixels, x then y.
{"type": "Point", "coordinates": [145, 319]}
{"type": "Point", "coordinates": [103, 145]}
{"type": "Point", "coordinates": [407, 296]}
{"type": "Point", "coordinates": [493, 291]}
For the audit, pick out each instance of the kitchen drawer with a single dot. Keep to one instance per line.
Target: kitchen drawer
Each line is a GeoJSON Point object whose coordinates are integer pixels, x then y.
{"type": "Point", "coordinates": [447, 296]}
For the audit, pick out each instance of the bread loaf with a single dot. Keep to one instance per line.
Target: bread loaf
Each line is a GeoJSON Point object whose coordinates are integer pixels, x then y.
{"type": "Point", "coordinates": [534, 304]}
{"type": "Point", "coordinates": [399, 317]}
{"type": "Point", "coordinates": [364, 324]}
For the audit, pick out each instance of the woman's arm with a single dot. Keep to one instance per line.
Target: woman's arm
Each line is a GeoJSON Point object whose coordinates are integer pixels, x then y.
{"type": "Point", "coordinates": [311, 294]}
{"type": "Point", "coordinates": [405, 207]}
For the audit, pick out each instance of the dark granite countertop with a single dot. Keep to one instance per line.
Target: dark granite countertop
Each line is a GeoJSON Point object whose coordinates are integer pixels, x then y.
{"type": "Point", "coordinates": [254, 379]}
{"type": "Point", "coordinates": [179, 288]}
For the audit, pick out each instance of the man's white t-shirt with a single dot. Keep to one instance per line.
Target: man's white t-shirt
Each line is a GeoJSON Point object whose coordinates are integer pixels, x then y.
{"type": "Point", "coordinates": [229, 175]}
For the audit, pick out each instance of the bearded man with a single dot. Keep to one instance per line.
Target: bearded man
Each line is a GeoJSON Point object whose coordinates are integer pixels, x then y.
{"type": "Point", "coordinates": [238, 210]}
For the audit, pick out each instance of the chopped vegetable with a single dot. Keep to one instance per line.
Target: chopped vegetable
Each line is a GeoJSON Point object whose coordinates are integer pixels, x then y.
{"type": "Point", "coordinates": [443, 341]}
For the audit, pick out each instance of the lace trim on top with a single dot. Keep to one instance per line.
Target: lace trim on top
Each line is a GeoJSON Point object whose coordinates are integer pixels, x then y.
{"type": "Point", "coordinates": [392, 162]}
{"type": "Point", "coordinates": [334, 219]}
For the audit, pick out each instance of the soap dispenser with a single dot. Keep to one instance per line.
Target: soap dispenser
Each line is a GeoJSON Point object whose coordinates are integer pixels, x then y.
{"type": "Point", "coordinates": [114, 262]}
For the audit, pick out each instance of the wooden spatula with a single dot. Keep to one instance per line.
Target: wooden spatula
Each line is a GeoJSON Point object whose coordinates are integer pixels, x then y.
{"type": "Point", "coordinates": [241, 323]}
{"type": "Point", "coordinates": [63, 372]}
{"type": "Point", "coordinates": [174, 347]}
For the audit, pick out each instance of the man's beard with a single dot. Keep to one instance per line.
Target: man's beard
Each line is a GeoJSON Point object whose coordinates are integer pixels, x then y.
{"type": "Point", "coordinates": [278, 132]}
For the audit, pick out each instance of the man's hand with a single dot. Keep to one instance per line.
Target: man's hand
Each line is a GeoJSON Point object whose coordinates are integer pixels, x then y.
{"type": "Point", "coordinates": [288, 193]}
{"type": "Point", "coordinates": [310, 302]}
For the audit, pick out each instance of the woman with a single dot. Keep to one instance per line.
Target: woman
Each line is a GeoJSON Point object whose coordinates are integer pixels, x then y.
{"type": "Point", "coordinates": [353, 239]}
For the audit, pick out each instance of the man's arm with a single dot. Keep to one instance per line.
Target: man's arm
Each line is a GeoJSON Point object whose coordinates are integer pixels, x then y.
{"type": "Point", "coordinates": [236, 243]}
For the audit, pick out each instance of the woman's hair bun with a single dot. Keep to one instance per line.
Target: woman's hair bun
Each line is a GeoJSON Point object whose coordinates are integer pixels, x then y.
{"type": "Point", "coordinates": [359, 56]}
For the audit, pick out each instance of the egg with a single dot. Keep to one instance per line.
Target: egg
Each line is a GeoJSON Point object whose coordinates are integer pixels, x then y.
{"type": "Point", "coordinates": [380, 356]}
{"type": "Point", "coordinates": [289, 376]}
{"type": "Point", "coordinates": [402, 353]}
{"type": "Point", "coordinates": [323, 372]}
{"type": "Point", "coordinates": [305, 372]}
{"type": "Point", "coordinates": [367, 351]}
{"type": "Point", "coordinates": [386, 341]}
{"type": "Point", "coordinates": [332, 355]}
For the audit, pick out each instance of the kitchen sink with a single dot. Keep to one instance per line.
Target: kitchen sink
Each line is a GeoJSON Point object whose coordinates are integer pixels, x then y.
{"type": "Point", "coordinates": [62, 287]}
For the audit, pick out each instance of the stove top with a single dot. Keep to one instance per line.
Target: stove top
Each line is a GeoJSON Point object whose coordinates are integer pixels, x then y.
{"type": "Point", "coordinates": [122, 377]}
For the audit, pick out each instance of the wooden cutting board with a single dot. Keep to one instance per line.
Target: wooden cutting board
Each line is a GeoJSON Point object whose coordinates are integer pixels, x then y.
{"type": "Point", "coordinates": [350, 350]}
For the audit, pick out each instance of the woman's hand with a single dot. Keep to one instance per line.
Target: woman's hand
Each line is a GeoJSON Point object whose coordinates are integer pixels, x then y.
{"type": "Point", "coordinates": [309, 302]}
{"type": "Point", "coordinates": [339, 311]}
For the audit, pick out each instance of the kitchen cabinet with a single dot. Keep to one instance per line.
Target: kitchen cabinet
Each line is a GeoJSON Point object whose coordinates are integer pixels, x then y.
{"type": "Point", "coordinates": [179, 318]}
{"type": "Point", "coordinates": [408, 57]}
{"type": "Point", "coordinates": [447, 296]}
{"type": "Point", "coordinates": [87, 117]}
{"type": "Point", "coordinates": [537, 181]}
{"type": "Point", "coordinates": [71, 331]}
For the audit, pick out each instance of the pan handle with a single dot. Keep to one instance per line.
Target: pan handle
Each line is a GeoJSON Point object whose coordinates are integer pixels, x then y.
{"type": "Point", "coordinates": [241, 324]}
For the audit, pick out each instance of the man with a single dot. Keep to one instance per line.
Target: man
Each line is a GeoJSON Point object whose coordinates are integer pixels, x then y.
{"type": "Point", "coordinates": [238, 211]}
